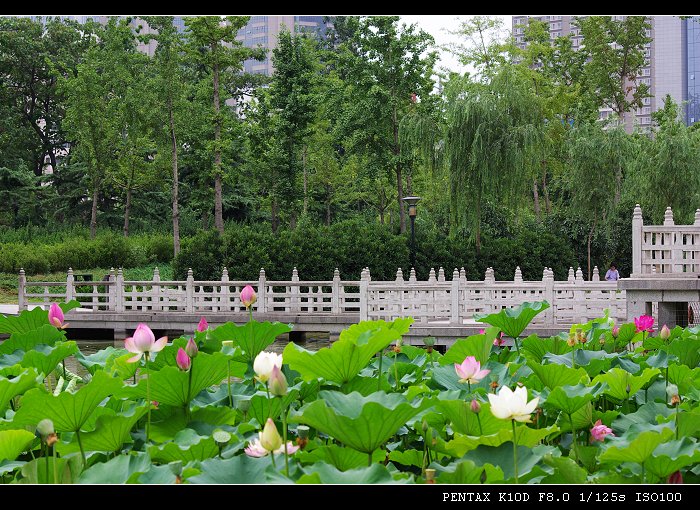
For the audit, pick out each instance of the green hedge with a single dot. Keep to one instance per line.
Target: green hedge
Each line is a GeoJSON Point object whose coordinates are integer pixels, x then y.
{"type": "Point", "coordinates": [78, 253]}
{"type": "Point", "coordinates": [352, 245]}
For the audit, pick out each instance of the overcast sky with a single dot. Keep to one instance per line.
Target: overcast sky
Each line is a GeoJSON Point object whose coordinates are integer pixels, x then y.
{"type": "Point", "coordinates": [438, 26]}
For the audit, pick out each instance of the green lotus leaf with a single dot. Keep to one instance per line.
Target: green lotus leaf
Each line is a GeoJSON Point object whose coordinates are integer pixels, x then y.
{"type": "Point", "coordinates": [343, 360]}
{"type": "Point", "coordinates": [240, 469]}
{"type": "Point", "coordinates": [118, 365]}
{"type": "Point", "coordinates": [27, 341]}
{"type": "Point", "coordinates": [684, 377]}
{"type": "Point", "coordinates": [97, 361]}
{"type": "Point", "coordinates": [618, 380]}
{"type": "Point", "coordinates": [502, 456]}
{"type": "Point", "coordinates": [67, 470]}
{"type": "Point", "coordinates": [45, 357]}
{"type": "Point", "coordinates": [626, 333]}
{"type": "Point", "coordinates": [186, 446]}
{"type": "Point", "coordinates": [253, 337]}
{"type": "Point", "coordinates": [111, 432]}
{"type": "Point", "coordinates": [570, 399]}
{"type": "Point", "coordinates": [22, 380]}
{"type": "Point", "coordinates": [14, 442]}
{"type": "Point", "coordinates": [121, 469]}
{"type": "Point", "coordinates": [167, 357]}
{"type": "Point", "coordinates": [170, 385]}
{"type": "Point", "coordinates": [366, 385]}
{"type": "Point", "coordinates": [30, 320]}
{"type": "Point", "coordinates": [672, 456]}
{"type": "Point", "coordinates": [553, 375]}
{"type": "Point", "coordinates": [340, 457]}
{"type": "Point", "coordinates": [261, 408]}
{"type": "Point", "coordinates": [660, 360]}
{"type": "Point", "coordinates": [464, 420]}
{"type": "Point", "coordinates": [526, 436]}
{"type": "Point", "coordinates": [405, 457]}
{"type": "Point", "coordinates": [687, 350]}
{"type": "Point", "coordinates": [637, 449]}
{"type": "Point", "coordinates": [325, 473]}
{"type": "Point", "coordinates": [69, 411]}
{"type": "Point", "coordinates": [647, 414]}
{"type": "Point", "coordinates": [535, 348]}
{"type": "Point", "coordinates": [478, 346]}
{"type": "Point", "coordinates": [467, 472]}
{"type": "Point", "coordinates": [356, 331]}
{"type": "Point", "coordinates": [566, 471]}
{"type": "Point", "coordinates": [513, 321]}
{"type": "Point", "coordinates": [362, 423]}
{"type": "Point", "coordinates": [158, 475]}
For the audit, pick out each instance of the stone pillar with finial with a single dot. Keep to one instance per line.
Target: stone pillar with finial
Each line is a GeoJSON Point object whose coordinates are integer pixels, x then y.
{"type": "Point", "coordinates": [364, 294]}
{"type": "Point", "coordinates": [518, 277]}
{"type": "Point", "coordinates": [335, 298]}
{"type": "Point", "coordinates": [262, 292]}
{"type": "Point", "coordinates": [596, 274]}
{"type": "Point", "coordinates": [112, 290]}
{"type": "Point", "coordinates": [154, 296]}
{"type": "Point", "coordinates": [70, 285]}
{"type": "Point", "coordinates": [189, 292]}
{"type": "Point", "coordinates": [441, 275]}
{"type": "Point", "coordinates": [455, 317]}
{"type": "Point", "coordinates": [120, 305]}
{"type": "Point", "coordinates": [637, 227]}
{"type": "Point", "coordinates": [548, 281]}
{"type": "Point", "coordinates": [22, 290]}
{"type": "Point", "coordinates": [294, 292]}
{"type": "Point", "coordinates": [225, 296]}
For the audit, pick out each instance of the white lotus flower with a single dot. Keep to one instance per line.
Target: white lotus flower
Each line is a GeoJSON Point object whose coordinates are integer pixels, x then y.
{"type": "Point", "coordinates": [512, 405]}
{"type": "Point", "coordinates": [263, 364]}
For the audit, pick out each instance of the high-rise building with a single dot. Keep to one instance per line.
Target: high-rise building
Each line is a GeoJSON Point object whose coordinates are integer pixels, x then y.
{"type": "Point", "coordinates": [692, 74]}
{"type": "Point", "coordinates": [667, 60]}
{"type": "Point", "coordinates": [263, 31]}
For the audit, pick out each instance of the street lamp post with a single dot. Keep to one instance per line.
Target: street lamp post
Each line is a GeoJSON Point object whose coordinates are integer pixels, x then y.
{"type": "Point", "coordinates": [412, 203]}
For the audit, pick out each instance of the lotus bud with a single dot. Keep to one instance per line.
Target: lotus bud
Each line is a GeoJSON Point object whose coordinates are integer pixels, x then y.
{"type": "Point", "coordinates": [475, 406]}
{"type": "Point", "coordinates": [270, 439]}
{"type": "Point", "coordinates": [183, 360]}
{"type": "Point", "coordinates": [56, 317]}
{"type": "Point", "coordinates": [675, 477]}
{"type": "Point", "coordinates": [277, 382]}
{"type": "Point", "coordinates": [430, 476]}
{"type": "Point", "coordinates": [665, 333]}
{"type": "Point", "coordinates": [243, 405]}
{"type": "Point", "coordinates": [191, 348]}
{"type": "Point", "coordinates": [203, 325]}
{"type": "Point", "coordinates": [615, 332]}
{"type": "Point", "coordinates": [248, 296]}
{"type": "Point", "coordinates": [628, 389]}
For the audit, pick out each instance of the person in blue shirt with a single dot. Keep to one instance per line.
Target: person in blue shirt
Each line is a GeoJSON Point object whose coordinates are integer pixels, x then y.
{"type": "Point", "coordinates": [612, 274]}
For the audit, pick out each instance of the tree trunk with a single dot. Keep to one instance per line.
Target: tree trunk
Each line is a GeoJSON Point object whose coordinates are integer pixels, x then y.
{"type": "Point", "coordinates": [409, 184]}
{"type": "Point", "coordinates": [536, 196]}
{"type": "Point", "coordinates": [306, 182]}
{"type": "Point", "coordinates": [175, 190]}
{"type": "Point", "coordinates": [127, 211]}
{"type": "Point", "coordinates": [93, 216]}
{"type": "Point", "coordinates": [218, 198]}
{"type": "Point", "coordinates": [205, 219]}
{"type": "Point", "coordinates": [399, 176]}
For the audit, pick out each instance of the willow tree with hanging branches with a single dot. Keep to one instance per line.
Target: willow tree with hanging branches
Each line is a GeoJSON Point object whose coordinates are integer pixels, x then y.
{"type": "Point", "coordinates": [494, 132]}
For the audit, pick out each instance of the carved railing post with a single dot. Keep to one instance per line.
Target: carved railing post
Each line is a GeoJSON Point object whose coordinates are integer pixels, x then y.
{"type": "Point", "coordinates": [22, 290]}
{"type": "Point", "coordinates": [189, 292]}
{"type": "Point", "coordinates": [112, 291]}
{"type": "Point", "coordinates": [119, 305]}
{"type": "Point", "coordinates": [455, 317]}
{"type": "Point", "coordinates": [263, 305]}
{"type": "Point", "coordinates": [364, 294]}
{"type": "Point", "coordinates": [225, 297]}
{"type": "Point", "coordinates": [70, 285]}
{"type": "Point", "coordinates": [637, 236]}
{"type": "Point", "coordinates": [155, 291]}
{"type": "Point", "coordinates": [335, 297]}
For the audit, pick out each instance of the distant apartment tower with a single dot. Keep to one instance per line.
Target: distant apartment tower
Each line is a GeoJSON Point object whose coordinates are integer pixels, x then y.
{"type": "Point", "coordinates": [665, 72]}
{"type": "Point", "coordinates": [263, 31]}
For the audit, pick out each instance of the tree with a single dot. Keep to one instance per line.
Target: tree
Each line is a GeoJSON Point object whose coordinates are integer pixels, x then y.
{"type": "Point", "coordinates": [615, 56]}
{"type": "Point", "coordinates": [493, 135]}
{"type": "Point", "coordinates": [384, 67]}
{"type": "Point", "coordinates": [170, 88]}
{"type": "Point", "coordinates": [213, 45]}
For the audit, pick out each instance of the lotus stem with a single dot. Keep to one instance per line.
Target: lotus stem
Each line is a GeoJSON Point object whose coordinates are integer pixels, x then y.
{"type": "Point", "coordinates": [369, 459]}
{"type": "Point", "coordinates": [284, 439]}
{"type": "Point", "coordinates": [379, 375]}
{"type": "Point", "coordinates": [82, 451]}
{"type": "Point", "coordinates": [55, 472]}
{"type": "Point", "coordinates": [478, 420]}
{"type": "Point", "coordinates": [517, 347]}
{"type": "Point", "coordinates": [515, 453]}
{"type": "Point", "coordinates": [148, 399]}
{"type": "Point", "coordinates": [228, 381]}
{"type": "Point", "coordinates": [396, 370]}
{"type": "Point", "coordinates": [677, 416]}
{"type": "Point", "coordinates": [189, 390]}
{"type": "Point", "coordinates": [45, 449]}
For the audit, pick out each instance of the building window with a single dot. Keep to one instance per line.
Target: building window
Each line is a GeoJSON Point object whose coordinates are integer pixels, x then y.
{"type": "Point", "coordinates": [646, 100]}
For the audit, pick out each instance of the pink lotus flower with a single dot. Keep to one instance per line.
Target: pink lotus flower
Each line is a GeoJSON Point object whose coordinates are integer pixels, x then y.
{"type": "Point", "coordinates": [143, 341]}
{"type": "Point", "coordinates": [248, 296]}
{"type": "Point", "coordinates": [599, 431]}
{"type": "Point", "coordinates": [675, 477]}
{"type": "Point", "coordinates": [191, 348]}
{"type": "Point", "coordinates": [482, 331]}
{"type": "Point", "coordinates": [644, 323]}
{"type": "Point", "coordinates": [255, 449]}
{"type": "Point", "coordinates": [615, 331]}
{"type": "Point", "coordinates": [183, 360]}
{"type": "Point", "coordinates": [56, 316]}
{"type": "Point", "coordinates": [475, 406]}
{"type": "Point", "coordinates": [203, 325]}
{"type": "Point", "coordinates": [470, 370]}
{"type": "Point", "coordinates": [499, 341]}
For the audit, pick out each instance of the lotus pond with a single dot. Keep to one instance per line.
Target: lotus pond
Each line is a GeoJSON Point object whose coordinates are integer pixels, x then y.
{"type": "Point", "coordinates": [601, 403]}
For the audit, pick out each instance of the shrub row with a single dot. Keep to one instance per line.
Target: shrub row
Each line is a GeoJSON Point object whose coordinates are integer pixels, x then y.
{"type": "Point", "coordinates": [103, 251]}
{"type": "Point", "coordinates": [352, 245]}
